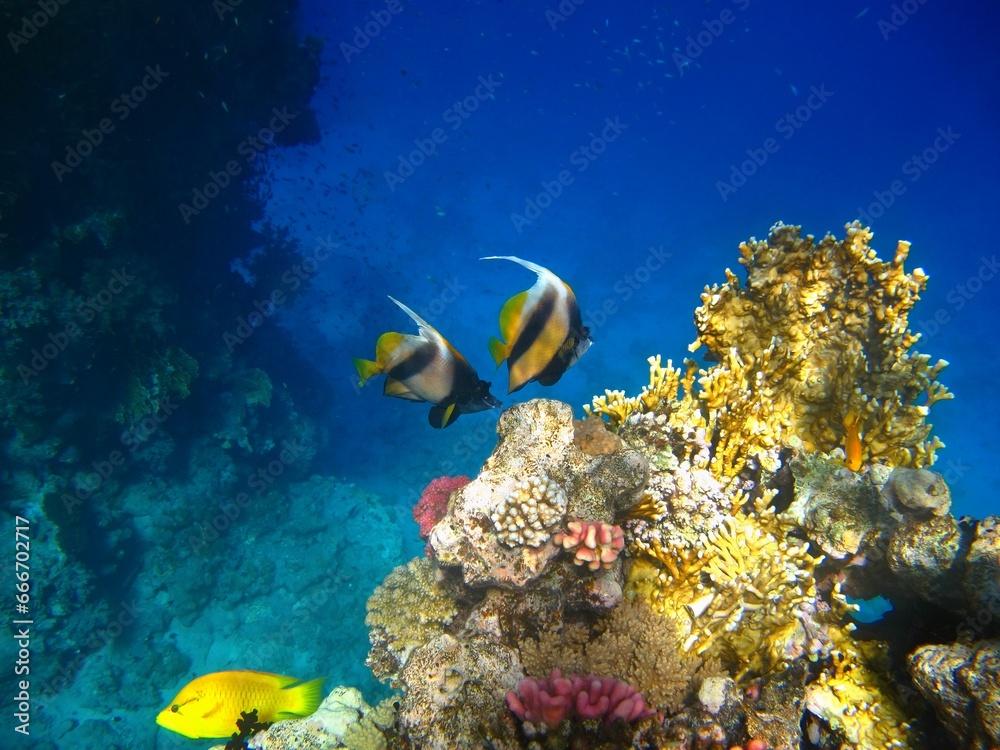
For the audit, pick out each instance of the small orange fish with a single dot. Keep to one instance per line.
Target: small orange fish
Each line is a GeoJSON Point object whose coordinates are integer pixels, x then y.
{"type": "Point", "coordinates": [852, 441]}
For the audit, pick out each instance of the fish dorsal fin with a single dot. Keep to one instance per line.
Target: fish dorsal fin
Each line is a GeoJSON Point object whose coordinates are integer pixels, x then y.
{"type": "Point", "coordinates": [399, 389]}
{"type": "Point", "coordinates": [545, 276]}
{"type": "Point", "coordinates": [512, 316]}
{"type": "Point", "coordinates": [427, 331]}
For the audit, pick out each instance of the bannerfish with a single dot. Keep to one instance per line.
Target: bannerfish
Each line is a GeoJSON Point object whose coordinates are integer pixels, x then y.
{"type": "Point", "coordinates": [426, 367]}
{"type": "Point", "coordinates": [543, 333]}
{"type": "Point", "coordinates": [208, 706]}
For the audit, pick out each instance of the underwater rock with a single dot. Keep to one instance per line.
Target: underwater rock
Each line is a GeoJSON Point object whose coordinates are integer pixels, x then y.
{"type": "Point", "coordinates": [925, 558]}
{"type": "Point", "coordinates": [498, 527]}
{"type": "Point", "coordinates": [981, 581]}
{"type": "Point", "coordinates": [962, 682]}
{"type": "Point", "coordinates": [454, 694]}
{"type": "Point", "coordinates": [343, 721]}
{"type": "Point", "coordinates": [917, 490]}
{"type": "Point", "coordinates": [838, 509]}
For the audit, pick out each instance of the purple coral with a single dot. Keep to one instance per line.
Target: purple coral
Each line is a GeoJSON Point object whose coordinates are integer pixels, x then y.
{"type": "Point", "coordinates": [550, 700]}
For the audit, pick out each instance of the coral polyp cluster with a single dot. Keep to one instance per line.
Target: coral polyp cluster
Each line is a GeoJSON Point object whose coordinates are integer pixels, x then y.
{"type": "Point", "coordinates": [552, 700]}
{"type": "Point", "coordinates": [594, 544]}
{"type": "Point", "coordinates": [530, 513]}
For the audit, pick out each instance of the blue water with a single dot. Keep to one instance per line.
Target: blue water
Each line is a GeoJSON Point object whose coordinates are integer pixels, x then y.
{"type": "Point", "coordinates": [629, 149]}
{"type": "Point", "coordinates": [856, 110]}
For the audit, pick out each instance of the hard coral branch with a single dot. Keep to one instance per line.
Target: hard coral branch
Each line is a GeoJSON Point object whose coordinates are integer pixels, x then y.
{"type": "Point", "coordinates": [594, 544]}
{"type": "Point", "coordinates": [551, 700]}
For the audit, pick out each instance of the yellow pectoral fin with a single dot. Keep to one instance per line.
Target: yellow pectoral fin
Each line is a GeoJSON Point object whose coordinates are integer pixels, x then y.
{"type": "Point", "coordinates": [498, 350]}
{"type": "Point", "coordinates": [512, 315]}
{"type": "Point", "coordinates": [366, 369]}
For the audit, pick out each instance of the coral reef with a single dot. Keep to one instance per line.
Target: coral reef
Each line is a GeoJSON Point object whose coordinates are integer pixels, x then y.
{"type": "Point", "coordinates": [433, 502]}
{"type": "Point", "coordinates": [719, 522]}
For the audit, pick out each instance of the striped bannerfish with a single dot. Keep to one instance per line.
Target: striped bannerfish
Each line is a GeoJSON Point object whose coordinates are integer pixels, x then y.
{"type": "Point", "coordinates": [542, 329]}
{"type": "Point", "coordinates": [426, 367]}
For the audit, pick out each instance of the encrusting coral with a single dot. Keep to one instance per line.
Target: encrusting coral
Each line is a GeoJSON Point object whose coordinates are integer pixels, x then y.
{"type": "Point", "coordinates": [530, 513]}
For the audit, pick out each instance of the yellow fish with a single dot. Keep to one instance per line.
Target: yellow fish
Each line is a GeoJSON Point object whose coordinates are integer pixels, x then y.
{"type": "Point", "coordinates": [208, 706]}
{"type": "Point", "coordinates": [426, 367]}
{"type": "Point", "coordinates": [542, 328]}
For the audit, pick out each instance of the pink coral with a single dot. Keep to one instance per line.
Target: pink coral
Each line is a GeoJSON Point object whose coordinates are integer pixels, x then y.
{"type": "Point", "coordinates": [550, 700]}
{"type": "Point", "coordinates": [433, 502]}
{"type": "Point", "coordinates": [595, 544]}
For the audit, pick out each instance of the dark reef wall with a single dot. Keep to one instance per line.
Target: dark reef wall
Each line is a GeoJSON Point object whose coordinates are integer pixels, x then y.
{"type": "Point", "coordinates": [132, 173]}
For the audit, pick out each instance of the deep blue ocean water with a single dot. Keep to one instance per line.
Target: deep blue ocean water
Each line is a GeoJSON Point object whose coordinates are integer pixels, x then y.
{"type": "Point", "coordinates": [726, 117]}
{"type": "Point", "coordinates": [628, 147]}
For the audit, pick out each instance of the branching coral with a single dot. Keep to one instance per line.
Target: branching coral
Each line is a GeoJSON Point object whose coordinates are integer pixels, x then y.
{"type": "Point", "coordinates": [528, 515]}
{"type": "Point", "coordinates": [594, 544]}
{"type": "Point", "coordinates": [836, 319]}
{"type": "Point", "coordinates": [407, 610]}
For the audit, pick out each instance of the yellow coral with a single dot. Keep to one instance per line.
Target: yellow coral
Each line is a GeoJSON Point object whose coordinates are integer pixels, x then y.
{"type": "Point", "coordinates": [745, 591]}
{"type": "Point", "coordinates": [833, 320]}
{"type": "Point", "coordinates": [405, 611]}
{"type": "Point", "coordinates": [854, 699]}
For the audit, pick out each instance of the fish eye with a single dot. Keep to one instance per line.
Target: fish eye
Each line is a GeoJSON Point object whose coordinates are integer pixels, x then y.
{"type": "Point", "coordinates": [175, 708]}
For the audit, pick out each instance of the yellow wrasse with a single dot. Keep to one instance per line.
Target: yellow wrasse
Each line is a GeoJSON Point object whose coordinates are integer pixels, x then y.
{"type": "Point", "coordinates": [208, 706]}
{"type": "Point", "coordinates": [543, 332]}
{"type": "Point", "coordinates": [852, 441]}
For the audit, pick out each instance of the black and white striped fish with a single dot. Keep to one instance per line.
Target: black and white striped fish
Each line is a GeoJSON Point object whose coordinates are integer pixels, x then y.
{"type": "Point", "coordinates": [426, 367]}
{"type": "Point", "coordinates": [543, 332]}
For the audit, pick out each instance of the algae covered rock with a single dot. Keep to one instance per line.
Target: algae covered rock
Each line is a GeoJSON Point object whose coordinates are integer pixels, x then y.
{"type": "Point", "coordinates": [498, 528]}
{"type": "Point", "coordinates": [343, 721]}
{"type": "Point", "coordinates": [925, 557]}
{"type": "Point", "coordinates": [962, 682]}
{"type": "Point", "coordinates": [918, 490]}
{"type": "Point", "coordinates": [454, 694]}
{"type": "Point", "coordinates": [981, 580]}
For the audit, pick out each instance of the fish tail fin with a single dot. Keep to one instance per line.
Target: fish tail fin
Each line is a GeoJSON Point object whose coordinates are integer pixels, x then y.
{"type": "Point", "coordinates": [366, 368]}
{"type": "Point", "coordinates": [304, 697]}
{"type": "Point", "coordinates": [442, 415]}
{"type": "Point", "coordinates": [498, 350]}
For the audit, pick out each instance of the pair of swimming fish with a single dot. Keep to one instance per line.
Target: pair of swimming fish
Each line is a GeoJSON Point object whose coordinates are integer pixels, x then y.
{"type": "Point", "coordinates": [543, 336]}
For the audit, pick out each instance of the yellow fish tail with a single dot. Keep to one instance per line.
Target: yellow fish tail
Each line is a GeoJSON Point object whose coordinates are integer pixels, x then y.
{"type": "Point", "coordinates": [498, 350]}
{"type": "Point", "coordinates": [366, 369]}
{"type": "Point", "coordinates": [302, 698]}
